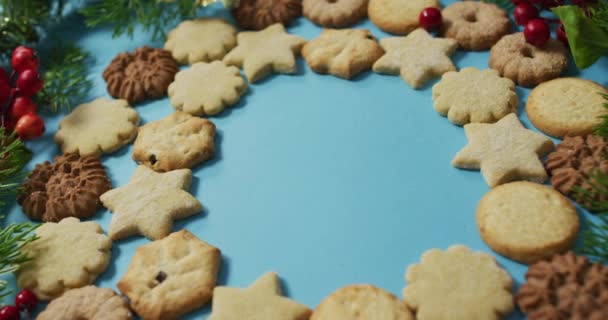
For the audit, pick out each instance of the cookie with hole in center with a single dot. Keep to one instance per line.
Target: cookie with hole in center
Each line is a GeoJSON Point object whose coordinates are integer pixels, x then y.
{"type": "Point", "coordinates": [334, 13]}
{"type": "Point", "coordinates": [475, 25]}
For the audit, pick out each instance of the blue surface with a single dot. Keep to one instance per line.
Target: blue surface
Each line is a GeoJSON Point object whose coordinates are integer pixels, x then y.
{"type": "Point", "coordinates": [327, 182]}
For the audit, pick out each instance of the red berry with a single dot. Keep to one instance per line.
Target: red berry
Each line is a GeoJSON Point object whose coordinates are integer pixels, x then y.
{"type": "Point", "coordinates": [29, 82]}
{"type": "Point", "coordinates": [562, 36]}
{"type": "Point", "coordinates": [30, 126]}
{"type": "Point", "coordinates": [524, 12]}
{"type": "Point", "coordinates": [537, 32]}
{"type": "Point", "coordinates": [430, 18]}
{"type": "Point", "coordinates": [22, 106]}
{"type": "Point", "coordinates": [3, 75]}
{"type": "Point", "coordinates": [7, 124]}
{"type": "Point", "coordinates": [5, 92]}
{"type": "Point", "coordinates": [24, 58]}
{"type": "Point", "coordinates": [518, 2]}
{"type": "Point", "coordinates": [26, 300]}
{"type": "Point", "coordinates": [9, 313]}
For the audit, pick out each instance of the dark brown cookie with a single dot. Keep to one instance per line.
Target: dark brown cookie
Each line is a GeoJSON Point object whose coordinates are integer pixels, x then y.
{"type": "Point", "coordinates": [70, 187]}
{"type": "Point", "coordinates": [144, 74]}
{"type": "Point", "coordinates": [259, 14]}
{"type": "Point", "coordinates": [568, 287]}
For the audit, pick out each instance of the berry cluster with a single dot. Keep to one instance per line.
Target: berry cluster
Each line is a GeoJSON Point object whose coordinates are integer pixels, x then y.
{"type": "Point", "coordinates": [25, 301]}
{"type": "Point", "coordinates": [536, 28]}
{"type": "Point", "coordinates": [18, 110]}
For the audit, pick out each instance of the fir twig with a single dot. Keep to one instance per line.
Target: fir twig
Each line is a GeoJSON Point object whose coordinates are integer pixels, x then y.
{"type": "Point", "coordinates": [599, 14]}
{"type": "Point", "coordinates": [20, 21]}
{"type": "Point", "coordinates": [595, 236]}
{"type": "Point", "coordinates": [12, 239]}
{"type": "Point", "coordinates": [14, 155]}
{"type": "Point", "coordinates": [602, 129]}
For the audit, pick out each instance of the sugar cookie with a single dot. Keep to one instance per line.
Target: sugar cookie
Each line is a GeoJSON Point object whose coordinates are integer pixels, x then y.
{"type": "Point", "coordinates": [475, 25]}
{"type": "Point", "coordinates": [87, 303]}
{"type": "Point", "coordinates": [398, 16]}
{"type": "Point", "coordinates": [201, 40]}
{"type": "Point", "coordinates": [334, 13]}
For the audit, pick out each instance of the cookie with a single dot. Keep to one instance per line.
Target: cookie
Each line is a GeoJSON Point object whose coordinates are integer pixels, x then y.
{"type": "Point", "coordinates": [260, 301]}
{"type": "Point", "coordinates": [343, 53]}
{"type": "Point", "coordinates": [566, 106]}
{"type": "Point", "coordinates": [201, 40]}
{"type": "Point", "coordinates": [206, 88]}
{"type": "Point", "coordinates": [334, 13]}
{"type": "Point", "coordinates": [473, 95]}
{"type": "Point", "coordinates": [418, 57]}
{"type": "Point", "coordinates": [565, 287]}
{"type": "Point", "coordinates": [526, 64]}
{"type": "Point", "coordinates": [149, 203]}
{"type": "Point", "coordinates": [475, 25]}
{"type": "Point", "coordinates": [88, 303]}
{"type": "Point", "coordinates": [261, 53]}
{"type": "Point", "coordinates": [141, 75]}
{"type": "Point", "coordinates": [98, 127]}
{"type": "Point", "coordinates": [69, 187]}
{"type": "Point", "coordinates": [361, 302]}
{"type": "Point", "coordinates": [398, 16]}
{"type": "Point", "coordinates": [458, 284]}
{"type": "Point", "coordinates": [504, 151]}
{"type": "Point", "coordinates": [259, 14]}
{"type": "Point", "coordinates": [69, 254]}
{"type": "Point", "coordinates": [176, 142]}
{"type": "Point", "coordinates": [526, 221]}
{"type": "Point", "coordinates": [170, 277]}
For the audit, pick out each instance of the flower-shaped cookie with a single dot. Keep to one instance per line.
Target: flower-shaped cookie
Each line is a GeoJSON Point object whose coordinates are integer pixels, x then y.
{"type": "Point", "coordinates": [69, 254]}
{"type": "Point", "coordinates": [206, 88]}
{"type": "Point", "coordinates": [88, 303]}
{"type": "Point", "coordinates": [144, 74]}
{"type": "Point", "coordinates": [259, 14]}
{"type": "Point", "coordinates": [471, 95]}
{"type": "Point", "coordinates": [201, 40]}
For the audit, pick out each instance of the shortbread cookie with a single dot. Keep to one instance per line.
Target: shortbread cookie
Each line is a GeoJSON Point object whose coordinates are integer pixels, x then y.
{"type": "Point", "coordinates": [201, 40]}
{"type": "Point", "coordinates": [526, 64]}
{"type": "Point", "coordinates": [149, 203]}
{"type": "Point", "coordinates": [87, 303]}
{"type": "Point", "coordinates": [458, 284]}
{"type": "Point", "coordinates": [566, 287]}
{"type": "Point", "coordinates": [566, 106]}
{"type": "Point", "coordinates": [206, 88]}
{"type": "Point", "coordinates": [343, 53]}
{"type": "Point", "coordinates": [418, 57]}
{"type": "Point", "coordinates": [259, 14]}
{"type": "Point", "coordinates": [334, 13]}
{"type": "Point", "coordinates": [398, 16]}
{"type": "Point", "coordinates": [475, 25]}
{"type": "Point", "coordinates": [98, 127]}
{"type": "Point", "coordinates": [526, 221]}
{"type": "Point", "coordinates": [69, 187]}
{"type": "Point", "coordinates": [69, 254]}
{"type": "Point", "coordinates": [264, 52]}
{"type": "Point", "coordinates": [170, 277]}
{"type": "Point", "coordinates": [504, 151]}
{"type": "Point", "coordinates": [361, 302]}
{"type": "Point", "coordinates": [176, 142]}
{"type": "Point", "coordinates": [260, 301]}
{"type": "Point", "coordinates": [144, 74]}
{"type": "Point", "coordinates": [472, 95]}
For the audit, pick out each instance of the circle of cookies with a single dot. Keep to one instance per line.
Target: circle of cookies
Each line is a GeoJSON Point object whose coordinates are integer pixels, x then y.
{"type": "Point", "coordinates": [70, 187]}
{"type": "Point", "coordinates": [259, 14]}
{"type": "Point", "coordinates": [526, 64]}
{"type": "Point", "coordinates": [526, 221]}
{"type": "Point", "coordinates": [566, 106]}
{"type": "Point", "coordinates": [144, 74]}
{"type": "Point", "coordinates": [334, 13]}
{"type": "Point", "coordinates": [475, 25]}
{"type": "Point", "coordinates": [87, 303]}
{"type": "Point", "coordinates": [398, 16]}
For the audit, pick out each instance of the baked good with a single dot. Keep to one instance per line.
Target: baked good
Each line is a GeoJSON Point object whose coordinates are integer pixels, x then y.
{"type": "Point", "coordinates": [398, 16]}
{"type": "Point", "coordinates": [259, 14]}
{"type": "Point", "coordinates": [475, 25]}
{"type": "Point", "coordinates": [87, 303]}
{"type": "Point", "coordinates": [334, 13]}
{"type": "Point", "coordinates": [201, 40]}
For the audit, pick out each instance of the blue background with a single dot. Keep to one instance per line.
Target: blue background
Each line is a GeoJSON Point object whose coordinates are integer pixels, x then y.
{"type": "Point", "coordinates": [326, 181]}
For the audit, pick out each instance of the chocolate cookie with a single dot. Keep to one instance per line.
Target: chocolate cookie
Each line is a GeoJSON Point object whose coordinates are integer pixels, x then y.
{"type": "Point", "coordinates": [70, 187]}
{"type": "Point", "coordinates": [568, 287]}
{"type": "Point", "coordinates": [144, 74]}
{"type": "Point", "coordinates": [259, 14]}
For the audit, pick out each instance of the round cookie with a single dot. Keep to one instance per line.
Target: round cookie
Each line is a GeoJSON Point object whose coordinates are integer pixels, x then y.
{"type": "Point", "coordinates": [334, 13]}
{"type": "Point", "coordinates": [475, 25]}
{"type": "Point", "coordinates": [259, 14]}
{"type": "Point", "coordinates": [397, 16]}
{"type": "Point", "coordinates": [526, 64]}
{"type": "Point", "coordinates": [361, 302]}
{"type": "Point", "coordinates": [87, 303]}
{"type": "Point", "coordinates": [527, 222]}
{"type": "Point", "coordinates": [566, 106]}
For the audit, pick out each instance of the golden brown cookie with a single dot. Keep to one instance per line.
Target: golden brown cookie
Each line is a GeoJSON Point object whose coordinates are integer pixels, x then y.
{"type": "Point", "coordinates": [87, 303]}
{"type": "Point", "coordinates": [475, 25]}
{"type": "Point", "coordinates": [398, 16]}
{"type": "Point", "coordinates": [334, 13]}
{"type": "Point", "coordinates": [526, 64]}
{"type": "Point", "coordinates": [259, 14]}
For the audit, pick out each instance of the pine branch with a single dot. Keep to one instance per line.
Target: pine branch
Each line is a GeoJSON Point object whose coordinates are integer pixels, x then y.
{"type": "Point", "coordinates": [506, 5]}
{"type": "Point", "coordinates": [20, 21]}
{"type": "Point", "coordinates": [12, 239]}
{"type": "Point", "coordinates": [14, 155]}
{"type": "Point", "coordinates": [599, 14]}
{"type": "Point", "coordinates": [602, 129]}
{"type": "Point", "coordinates": [595, 236]}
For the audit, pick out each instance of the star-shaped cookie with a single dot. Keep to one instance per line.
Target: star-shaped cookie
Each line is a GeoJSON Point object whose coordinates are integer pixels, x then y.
{"type": "Point", "coordinates": [261, 301]}
{"type": "Point", "coordinates": [504, 151]}
{"type": "Point", "coordinates": [260, 53]}
{"type": "Point", "coordinates": [417, 57]}
{"type": "Point", "coordinates": [149, 202]}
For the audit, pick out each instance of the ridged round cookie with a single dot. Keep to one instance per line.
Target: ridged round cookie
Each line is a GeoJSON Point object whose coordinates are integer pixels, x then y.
{"type": "Point", "coordinates": [334, 13]}
{"type": "Point", "coordinates": [527, 222]}
{"type": "Point", "coordinates": [398, 16]}
{"type": "Point", "coordinates": [566, 106]}
{"type": "Point", "coordinates": [475, 25]}
{"type": "Point", "coordinates": [87, 303]}
{"type": "Point", "coordinates": [361, 302]}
